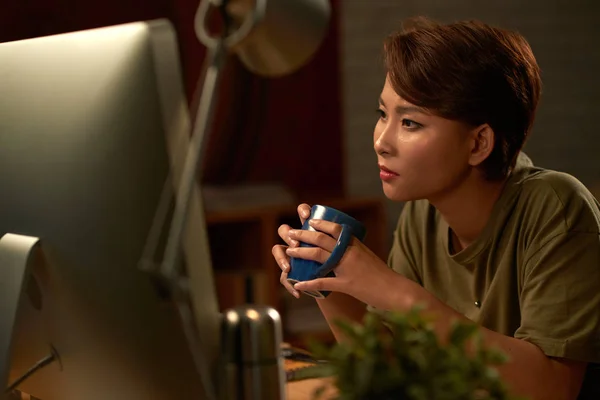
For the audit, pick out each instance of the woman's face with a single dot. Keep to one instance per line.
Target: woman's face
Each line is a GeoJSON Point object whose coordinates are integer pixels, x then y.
{"type": "Point", "coordinates": [420, 155]}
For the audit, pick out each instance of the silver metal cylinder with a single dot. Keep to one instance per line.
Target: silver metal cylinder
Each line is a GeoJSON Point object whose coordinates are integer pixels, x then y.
{"type": "Point", "coordinates": [251, 365]}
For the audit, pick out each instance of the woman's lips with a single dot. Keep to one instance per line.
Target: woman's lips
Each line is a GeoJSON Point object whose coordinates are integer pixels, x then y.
{"type": "Point", "coordinates": [385, 174]}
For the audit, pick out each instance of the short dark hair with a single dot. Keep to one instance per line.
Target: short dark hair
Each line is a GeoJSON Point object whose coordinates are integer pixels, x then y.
{"type": "Point", "coordinates": [471, 72]}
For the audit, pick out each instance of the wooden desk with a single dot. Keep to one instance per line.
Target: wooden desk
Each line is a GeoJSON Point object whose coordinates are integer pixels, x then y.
{"type": "Point", "coordinates": [303, 390]}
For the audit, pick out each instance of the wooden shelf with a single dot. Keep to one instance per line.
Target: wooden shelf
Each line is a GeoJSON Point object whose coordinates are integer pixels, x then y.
{"type": "Point", "coordinates": [241, 241]}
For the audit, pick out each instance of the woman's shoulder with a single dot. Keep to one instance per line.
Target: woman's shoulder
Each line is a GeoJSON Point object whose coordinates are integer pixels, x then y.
{"type": "Point", "coordinates": [546, 194]}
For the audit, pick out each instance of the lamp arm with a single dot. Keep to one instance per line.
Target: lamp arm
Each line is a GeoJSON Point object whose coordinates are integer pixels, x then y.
{"type": "Point", "coordinates": [201, 126]}
{"type": "Point", "coordinates": [170, 267]}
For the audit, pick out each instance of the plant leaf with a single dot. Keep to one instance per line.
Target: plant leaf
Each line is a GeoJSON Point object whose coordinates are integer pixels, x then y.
{"type": "Point", "coordinates": [395, 355]}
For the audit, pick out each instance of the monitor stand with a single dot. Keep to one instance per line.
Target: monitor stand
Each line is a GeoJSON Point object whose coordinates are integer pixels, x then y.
{"type": "Point", "coordinates": [17, 253]}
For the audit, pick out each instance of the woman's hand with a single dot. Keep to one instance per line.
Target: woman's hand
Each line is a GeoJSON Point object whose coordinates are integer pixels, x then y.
{"type": "Point", "coordinates": [282, 259]}
{"type": "Point", "coordinates": [360, 273]}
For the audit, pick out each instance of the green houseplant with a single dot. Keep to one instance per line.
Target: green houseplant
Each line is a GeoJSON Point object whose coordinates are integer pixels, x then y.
{"type": "Point", "coordinates": [399, 356]}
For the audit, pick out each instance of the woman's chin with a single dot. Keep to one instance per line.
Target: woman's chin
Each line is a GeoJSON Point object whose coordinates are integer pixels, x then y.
{"type": "Point", "coordinates": [399, 194]}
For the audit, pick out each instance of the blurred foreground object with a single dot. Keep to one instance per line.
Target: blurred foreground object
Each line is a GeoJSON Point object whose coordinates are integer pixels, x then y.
{"type": "Point", "coordinates": [395, 355]}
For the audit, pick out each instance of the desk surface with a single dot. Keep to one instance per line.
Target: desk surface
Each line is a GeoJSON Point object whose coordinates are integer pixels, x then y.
{"type": "Point", "coordinates": [303, 390]}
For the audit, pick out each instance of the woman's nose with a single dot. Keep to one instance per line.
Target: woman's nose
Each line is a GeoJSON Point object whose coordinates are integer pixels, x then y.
{"type": "Point", "coordinates": [382, 144]}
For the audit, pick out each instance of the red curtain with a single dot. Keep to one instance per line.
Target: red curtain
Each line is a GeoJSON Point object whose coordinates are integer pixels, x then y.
{"type": "Point", "coordinates": [284, 130]}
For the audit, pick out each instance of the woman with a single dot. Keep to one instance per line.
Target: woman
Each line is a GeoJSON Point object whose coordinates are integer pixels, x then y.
{"type": "Point", "coordinates": [484, 234]}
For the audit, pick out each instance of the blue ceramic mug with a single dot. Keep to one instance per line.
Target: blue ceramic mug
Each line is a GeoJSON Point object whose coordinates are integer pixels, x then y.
{"type": "Point", "coordinates": [306, 270]}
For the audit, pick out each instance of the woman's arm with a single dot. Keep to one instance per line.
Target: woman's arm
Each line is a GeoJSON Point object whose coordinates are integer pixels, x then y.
{"type": "Point", "coordinates": [340, 306]}
{"type": "Point", "coordinates": [529, 371]}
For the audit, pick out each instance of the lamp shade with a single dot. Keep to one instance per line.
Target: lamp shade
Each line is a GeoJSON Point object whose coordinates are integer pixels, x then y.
{"type": "Point", "coordinates": [271, 37]}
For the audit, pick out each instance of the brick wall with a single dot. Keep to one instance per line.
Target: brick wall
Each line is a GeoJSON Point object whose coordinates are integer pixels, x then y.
{"type": "Point", "coordinates": [565, 37]}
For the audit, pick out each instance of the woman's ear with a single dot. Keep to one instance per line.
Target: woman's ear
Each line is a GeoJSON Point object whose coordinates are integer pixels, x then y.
{"type": "Point", "coordinates": [483, 144]}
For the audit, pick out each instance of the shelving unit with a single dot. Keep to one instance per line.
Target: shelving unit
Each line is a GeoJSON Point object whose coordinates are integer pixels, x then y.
{"type": "Point", "coordinates": [245, 271]}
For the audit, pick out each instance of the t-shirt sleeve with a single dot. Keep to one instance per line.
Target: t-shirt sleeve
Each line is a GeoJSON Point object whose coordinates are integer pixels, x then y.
{"type": "Point", "coordinates": [560, 297]}
{"type": "Point", "coordinates": [404, 256]}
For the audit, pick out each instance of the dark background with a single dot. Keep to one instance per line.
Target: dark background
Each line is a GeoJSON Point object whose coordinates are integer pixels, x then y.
{"type": "Point", "coordinates": [265, 129]}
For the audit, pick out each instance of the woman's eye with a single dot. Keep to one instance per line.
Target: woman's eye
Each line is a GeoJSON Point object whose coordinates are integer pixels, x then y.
{"type": "Point", "coordinates": [381, 113]}
{"type": "Point", "coordinates": [410, 124]}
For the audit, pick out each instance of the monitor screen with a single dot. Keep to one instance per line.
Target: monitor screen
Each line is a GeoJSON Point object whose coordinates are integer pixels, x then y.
{"type": "Point", "coordinates": [91, 125]}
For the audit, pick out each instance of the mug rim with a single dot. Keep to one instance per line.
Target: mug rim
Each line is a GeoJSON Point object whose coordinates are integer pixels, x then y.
{"type": "Point", "coordinates": [336, 210]}
{"type": "Point", "coordinates": [357, 224]}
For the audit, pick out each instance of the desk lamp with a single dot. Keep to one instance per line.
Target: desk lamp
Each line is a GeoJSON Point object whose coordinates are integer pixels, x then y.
{"type": "Point", "coordinates": [272, 38]}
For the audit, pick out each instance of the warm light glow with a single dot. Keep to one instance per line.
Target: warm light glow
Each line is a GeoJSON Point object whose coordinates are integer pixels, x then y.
{"type": "Point", "coordinates": [232, 318]}
{"type": "Point", "coordinates": [253, 314]}
{"type": "Point", "coordinates": [273, 314]}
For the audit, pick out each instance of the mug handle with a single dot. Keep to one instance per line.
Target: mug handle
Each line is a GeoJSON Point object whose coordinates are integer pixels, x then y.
{"type": "Point", "coordinates": [338, 251]}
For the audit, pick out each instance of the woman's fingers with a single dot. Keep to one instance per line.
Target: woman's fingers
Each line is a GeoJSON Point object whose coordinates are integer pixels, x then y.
{"type": "Point", "coordinates": [309, 253]}
{"type": "Point", "coordinates": [320, 284]}
{"type": "Point", "coordinates": [279, 251]}
{"type": "Point", "coordinates": [331, 228]}
{"type": "Point", "coordinates": [303, 212]}
{"type": "Point", "coordinates": [281, 258]}
{"type": "Point", "coordinates": [318, 239]}
{"type": "Point", "coordinates": [288, 286]}
{"type": "Point", "coordinates": [283, 233]}
{"type": "Point", "coordinates": [284, 264]}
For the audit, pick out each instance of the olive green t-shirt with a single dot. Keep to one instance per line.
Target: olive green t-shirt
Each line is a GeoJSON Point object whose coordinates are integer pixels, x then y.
{"type": "Point", "coordinates": [533, 273]}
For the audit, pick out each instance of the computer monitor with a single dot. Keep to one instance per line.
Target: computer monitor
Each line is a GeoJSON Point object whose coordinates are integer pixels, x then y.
{"type": "Point", "coordinates": [91, 123]}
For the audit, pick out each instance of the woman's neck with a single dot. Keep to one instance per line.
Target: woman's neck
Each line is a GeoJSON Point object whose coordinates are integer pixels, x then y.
{"type": "Point", "coordinates": [468, 208]}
